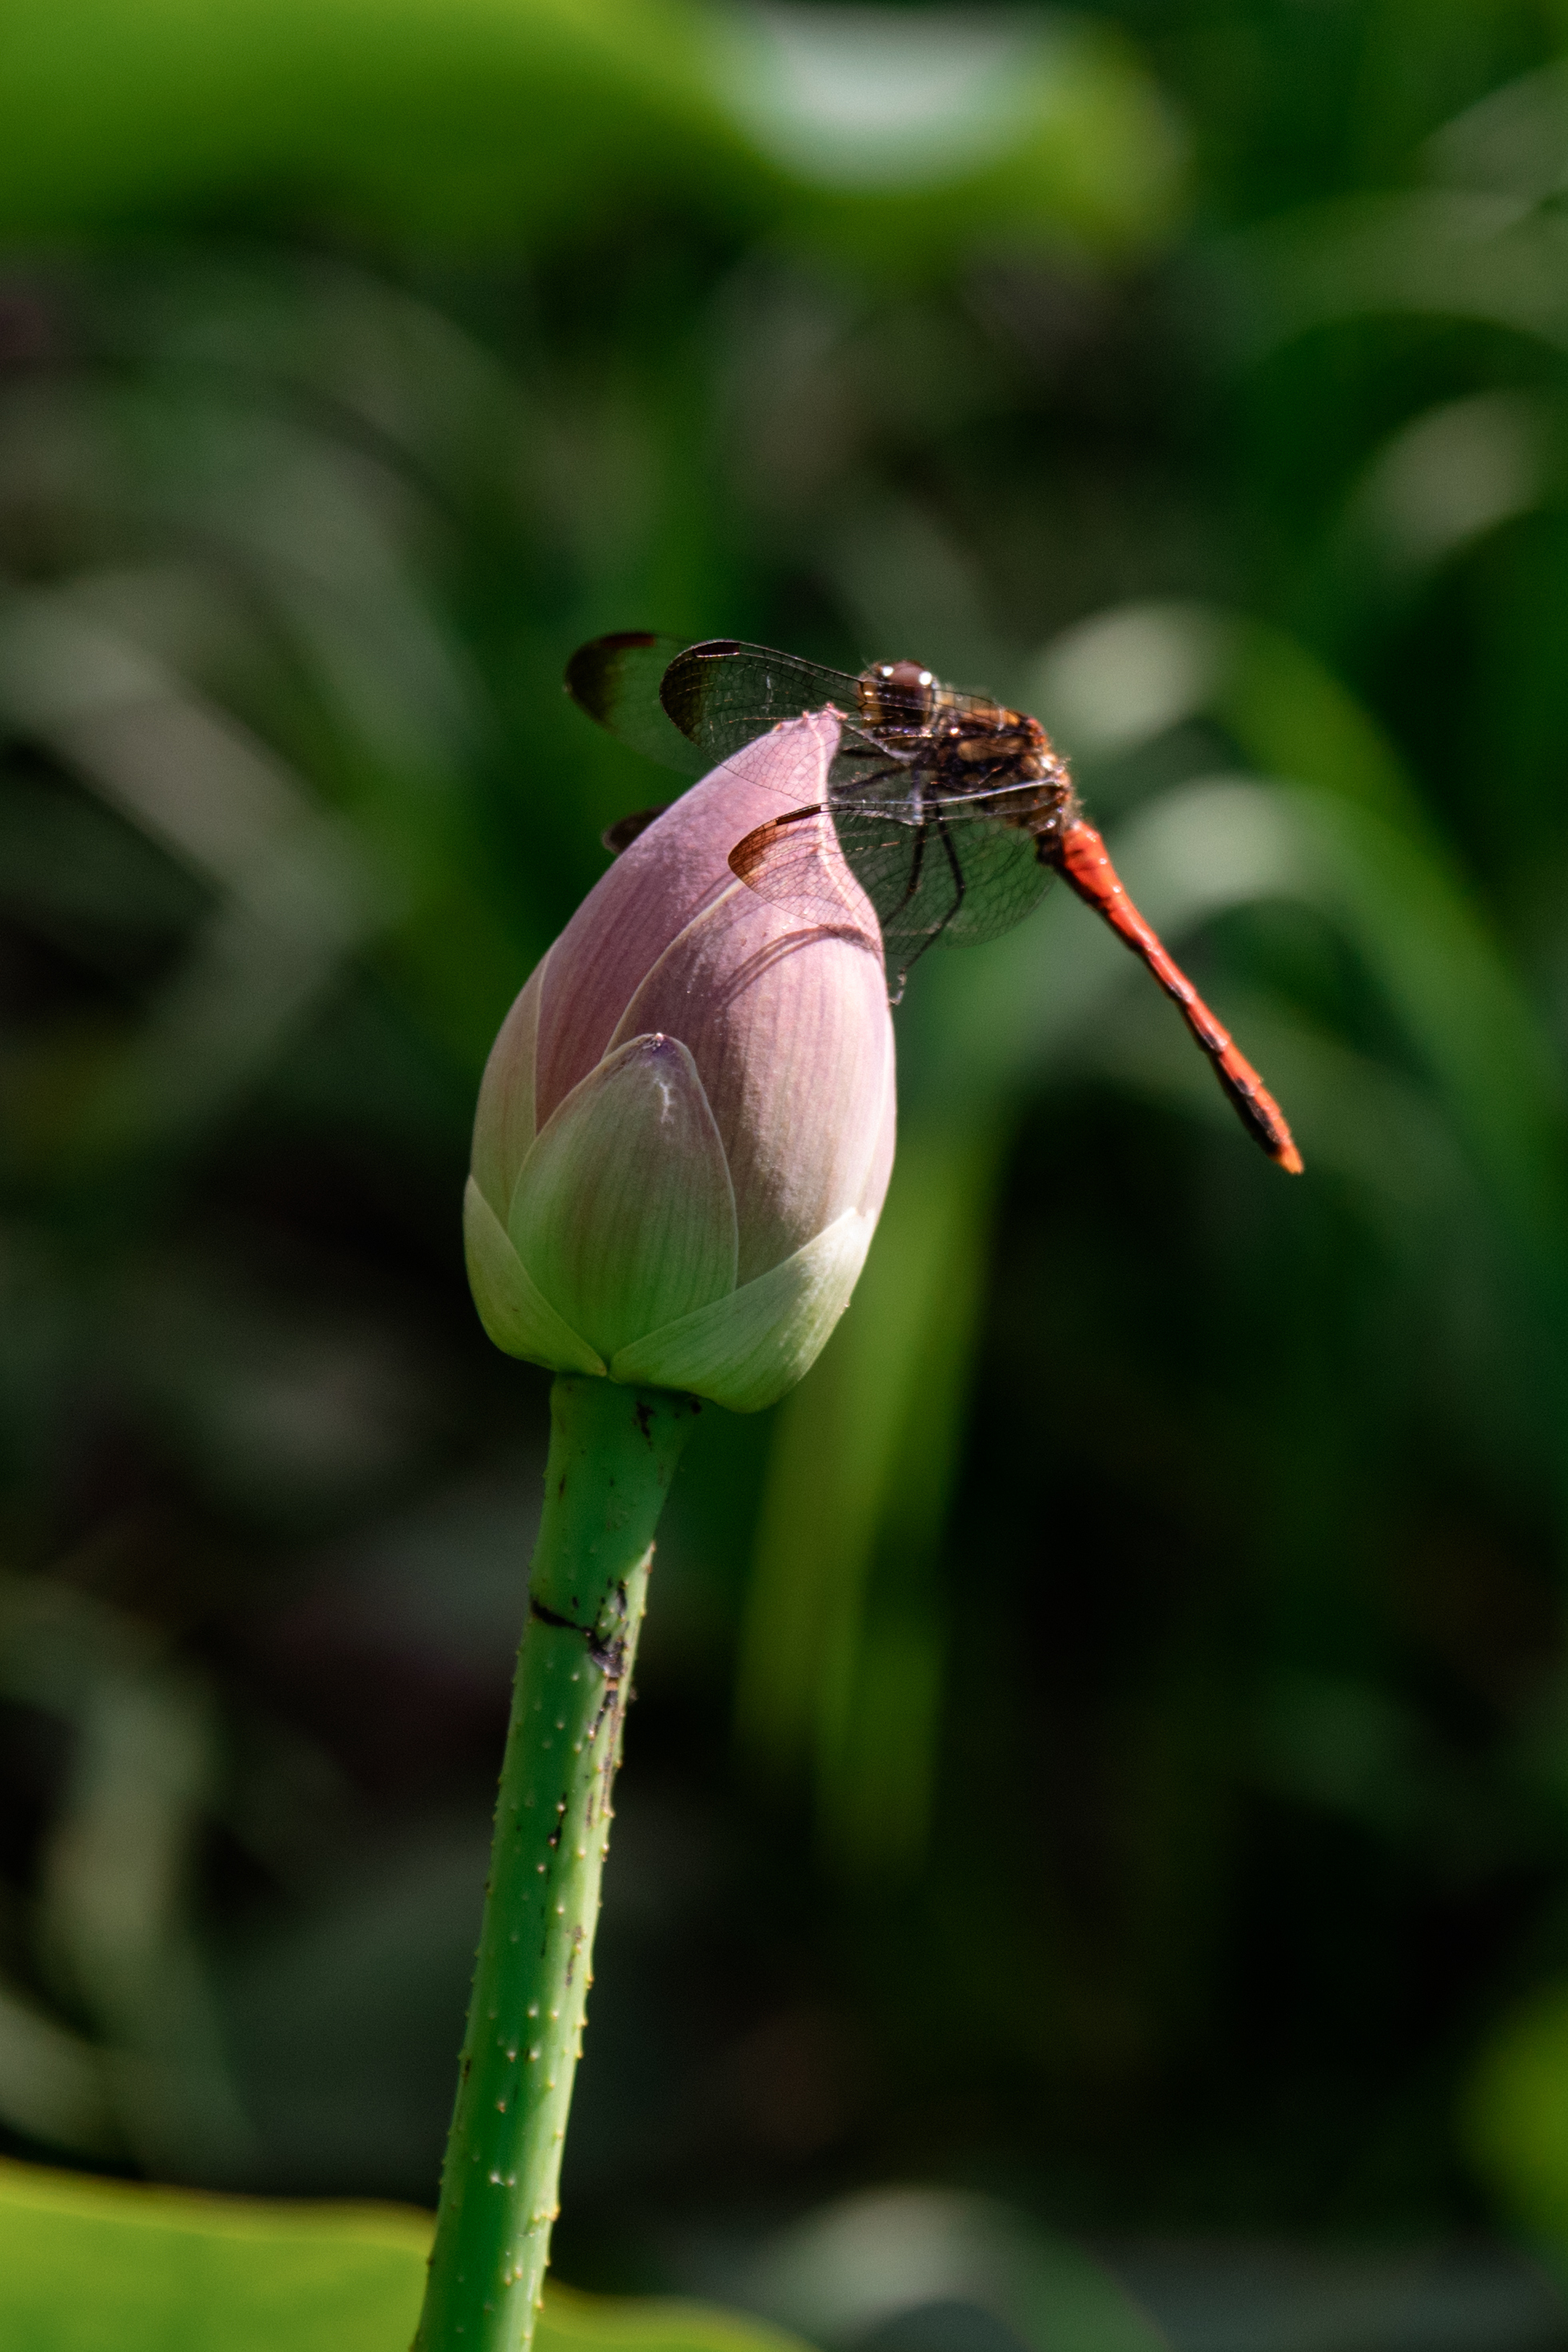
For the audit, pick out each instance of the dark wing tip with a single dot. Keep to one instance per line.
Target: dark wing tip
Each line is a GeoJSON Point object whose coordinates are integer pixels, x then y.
{"type": "Point", "coordinates": [589, 666]}
{"type": "Point", "coordinates": [683, 686]}
{"type": "Point", "coordinates": [751, 857]}
{"type": "Point", "coordinates": [627, 829]}
{"type": "Point", "coordinates": [748, 853]}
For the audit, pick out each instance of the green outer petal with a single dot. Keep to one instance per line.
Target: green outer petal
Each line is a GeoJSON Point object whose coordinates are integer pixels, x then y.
{"type": "Point", "coordinates": [516, 1315]}
{"type": "Point", "coordinates": [624, 1212]}
{"type": "Point", "coordinates": [745, 1350]}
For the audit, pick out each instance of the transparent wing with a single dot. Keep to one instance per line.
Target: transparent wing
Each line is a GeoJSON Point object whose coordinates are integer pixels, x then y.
{"type": "Point", "coordinates": [617, 679]}
{"type": "Point", "coordinates": [723, 695]}
{"type": "Point", "coordinates": [691, 706]}
{"type": "Point", "coordinates": [958, 879]}
{"type": "Point", "coordinates": [993, 876]}
{"type": "Point", "coordinates": [795, 862]}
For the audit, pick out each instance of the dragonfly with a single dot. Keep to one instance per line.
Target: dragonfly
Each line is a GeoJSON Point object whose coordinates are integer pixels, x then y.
{"type": "Point", "coordinates": [952, 813]}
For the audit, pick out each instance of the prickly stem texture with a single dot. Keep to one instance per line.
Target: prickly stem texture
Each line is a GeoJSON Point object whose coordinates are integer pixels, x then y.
{"type": "Point", "coordinates": [612, 1452]}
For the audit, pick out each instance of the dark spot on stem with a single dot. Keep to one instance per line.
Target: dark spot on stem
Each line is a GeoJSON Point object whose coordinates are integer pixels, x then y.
{"type": "Point", "coordinates": [607, 1639]}
{"type": "Point", "coordinates": [548, 1616]}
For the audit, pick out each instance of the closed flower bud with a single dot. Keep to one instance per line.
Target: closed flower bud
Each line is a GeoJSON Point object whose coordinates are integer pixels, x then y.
{"type": "Point", "coordinates": [685, 1130]}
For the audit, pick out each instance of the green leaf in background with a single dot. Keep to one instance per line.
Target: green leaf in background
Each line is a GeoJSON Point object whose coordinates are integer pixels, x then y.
{"type": "Point", "coordinates": [105, 2266]}
{"type": "Point", "coordinates": [480, 119]}
{"type": "Point", "coordinates": [1517, 2112]}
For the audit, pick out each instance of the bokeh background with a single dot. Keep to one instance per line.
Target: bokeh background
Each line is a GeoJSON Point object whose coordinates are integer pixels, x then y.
{"type": "Point", "coordinates": [1103, 1743]}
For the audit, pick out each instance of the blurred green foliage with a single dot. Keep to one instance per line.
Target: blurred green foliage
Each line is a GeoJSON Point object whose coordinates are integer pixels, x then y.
{"type": "Point", "coordinates": [1103, 1740]}
{"type": "Point", "coordinates": [88, 2268]}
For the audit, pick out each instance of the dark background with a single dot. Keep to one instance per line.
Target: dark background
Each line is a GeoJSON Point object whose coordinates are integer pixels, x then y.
{"type": "Point", "coordinates": [1103, 1740]}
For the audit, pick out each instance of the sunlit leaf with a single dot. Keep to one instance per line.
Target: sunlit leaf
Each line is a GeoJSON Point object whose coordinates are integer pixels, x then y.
{"type": "Point", "coordinates": [102, 2266]}
{"type": "Point", "coordinates": [412, 118]}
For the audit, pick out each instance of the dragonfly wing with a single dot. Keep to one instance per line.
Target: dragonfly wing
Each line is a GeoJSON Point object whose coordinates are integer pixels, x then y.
{"type": "Point", "coordinates": [810, 861]}
{"type": "Point", "coordinates": [936, 876]}
{"type": "Point", "coordinates": [615, 680]}
{"type": "Point", "coordinates": [794, 862]}
{"type": "Point", "coordinates": [721, 695]}
{"type": "Point", "coordinates": [928, 876]}
{"type": "Point", "coordinates": [627, 829]}
{"type": "Point", "coordinates": [898, 863]}
{"type": "Point", "coordinates": [998, 876]}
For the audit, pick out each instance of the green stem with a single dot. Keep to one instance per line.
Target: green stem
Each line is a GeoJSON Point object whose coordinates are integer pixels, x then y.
{"type": "Point", "coordinates": [612, 1453]}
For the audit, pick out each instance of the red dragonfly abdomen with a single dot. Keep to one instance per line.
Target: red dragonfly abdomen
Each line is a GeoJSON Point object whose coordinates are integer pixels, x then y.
{"type": "Point", "coordinates": [1083, 857]}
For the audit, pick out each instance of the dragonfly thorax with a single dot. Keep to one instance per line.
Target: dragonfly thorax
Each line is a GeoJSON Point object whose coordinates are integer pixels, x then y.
{"type": "Point", "coordinates": [963, 752]}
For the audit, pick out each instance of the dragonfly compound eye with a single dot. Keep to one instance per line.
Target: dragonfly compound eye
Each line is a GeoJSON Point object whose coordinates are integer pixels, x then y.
{"type": "Point", "coordinates": [898, 694]}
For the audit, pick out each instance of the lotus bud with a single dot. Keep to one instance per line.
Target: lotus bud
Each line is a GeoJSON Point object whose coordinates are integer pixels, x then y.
{"type": "Point", "coordinates": [684, 1129]}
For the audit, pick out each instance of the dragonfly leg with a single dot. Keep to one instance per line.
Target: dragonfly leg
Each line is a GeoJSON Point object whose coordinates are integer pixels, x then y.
{"type": "Point", "coordinates": [931, 937]}
{"type": "Point", "coordinates": [1085, 862]}
{"type": "Point", "coordinates": [911, 888]}
{"type": "Point", "coordinates": [957, 872]}
{"type": "Point", "coordinates": [917, 866]}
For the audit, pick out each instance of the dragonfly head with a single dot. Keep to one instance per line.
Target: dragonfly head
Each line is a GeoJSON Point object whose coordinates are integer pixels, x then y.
{"type": "Point", "coordinates": [897, 693]}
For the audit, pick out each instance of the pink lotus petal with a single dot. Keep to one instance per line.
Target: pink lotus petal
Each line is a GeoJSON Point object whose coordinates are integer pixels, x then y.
{"type": "Point", "coordinates": [504, 1123]}
{"type": "Point", "coordinates": [654, 888]}
{"type": "Point", "coordinates": [788, 1023]}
